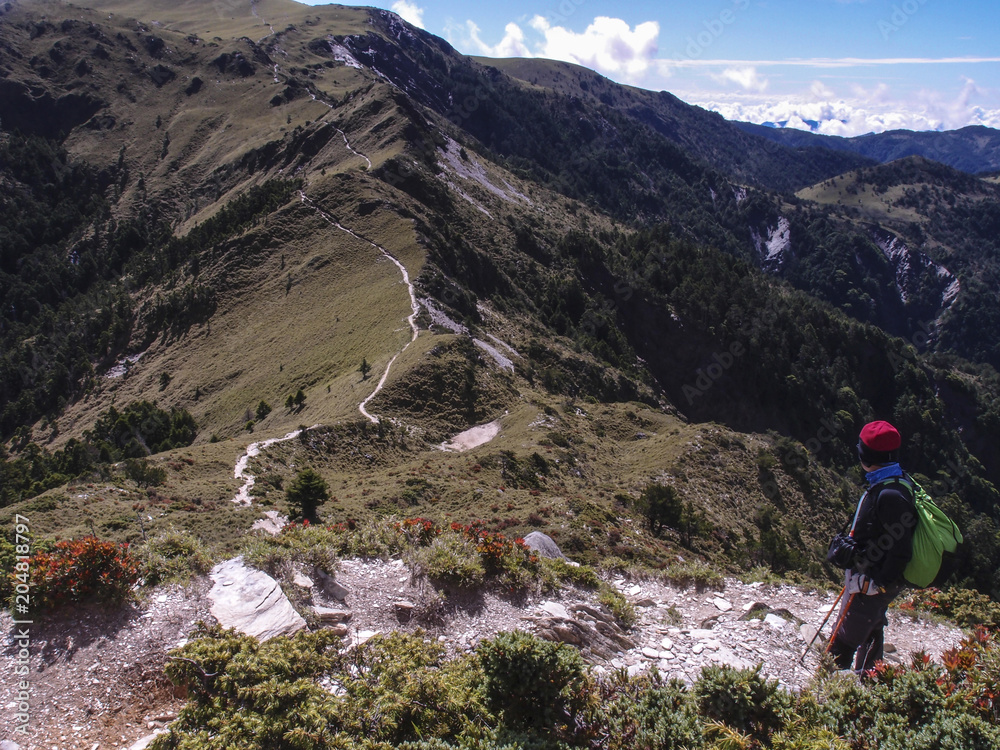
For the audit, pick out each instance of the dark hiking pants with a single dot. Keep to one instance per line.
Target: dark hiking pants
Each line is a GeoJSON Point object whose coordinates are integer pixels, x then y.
{"type": "Point", "coordinates": [859, 638]}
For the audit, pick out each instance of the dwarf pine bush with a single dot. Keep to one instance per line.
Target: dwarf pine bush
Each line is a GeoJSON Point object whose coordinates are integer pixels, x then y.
{"type": "Point", "coordinates": [533, 683]}
{"type": "Point", "coordinates": [173, 557]}
{"type": "Point", "coordinates": [518, 692]}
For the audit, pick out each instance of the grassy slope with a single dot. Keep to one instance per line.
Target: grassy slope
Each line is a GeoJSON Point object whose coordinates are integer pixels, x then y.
{"type": "Point", "coordinates": [860, 190]}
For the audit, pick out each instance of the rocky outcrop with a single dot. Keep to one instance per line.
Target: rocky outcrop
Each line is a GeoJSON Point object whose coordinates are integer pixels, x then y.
{"type": "Point", "coordinates": [591, 629]}
{"type": "Point", "coordinates": [544, 545]}
{"type": "Point", "coordinates": [913, 270]}
{"type": "Point", "coordinates": [251, 601]}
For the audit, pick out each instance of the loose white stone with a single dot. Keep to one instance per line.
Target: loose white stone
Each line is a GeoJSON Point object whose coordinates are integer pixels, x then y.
{"type": "Point", "coordinates": [776, 622]}
{"type": "Point", "coordinates": [555, 609]}
{"type": "Point", "coordinates": [722, 604]}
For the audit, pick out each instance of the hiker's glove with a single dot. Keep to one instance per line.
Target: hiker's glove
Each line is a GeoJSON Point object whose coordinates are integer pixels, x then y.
{"type": "Point", "coordinates": [841, 552]}
{"type": "Point", "coordinates": [859, 583]}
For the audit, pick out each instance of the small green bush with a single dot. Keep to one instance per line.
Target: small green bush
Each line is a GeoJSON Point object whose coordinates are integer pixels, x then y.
{"type": "Point", "coordinates": [533, 683]}
{"type": "Point", "coordinates": [743, 700]}
{"type": "Point", "coordinates": [308, 544]}
{"type": "Point", "coordinates": [8, 561]}
{"type": "Point", "coordinates": [648, 712]}
{"type": "Point", "coordinates": [694, 573]}
{"type": "Point", "coordinates": [453, 560]}
{"type": "Point", "coordinates": [579, 575]}
{"type": "Point", "coordinates": [618, 605]}
{"type": "Point", "coordinates": [247, 694]}
{"type": "Point", "coordinates": [173, 557]}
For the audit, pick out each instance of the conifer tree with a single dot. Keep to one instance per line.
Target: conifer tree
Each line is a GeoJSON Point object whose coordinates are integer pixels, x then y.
{"type": "Point", "coordinates": [306, 494]}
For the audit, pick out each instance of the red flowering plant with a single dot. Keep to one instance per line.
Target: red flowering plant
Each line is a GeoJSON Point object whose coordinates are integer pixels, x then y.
{"type": "Point", "coordinates": [966, 607]}
{"type": "Point", "coordinates": [81, 570]}
{"type": "Point", "coordinates": [973, 671]}
{"type": "Point", "coordinates": [419, 531]}
{"type": "Point", "coordinates": [510, 559]}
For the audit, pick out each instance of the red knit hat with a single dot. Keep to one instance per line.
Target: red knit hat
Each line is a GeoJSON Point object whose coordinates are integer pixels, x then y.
{"type": "Point", "coordinates": [878, 443]}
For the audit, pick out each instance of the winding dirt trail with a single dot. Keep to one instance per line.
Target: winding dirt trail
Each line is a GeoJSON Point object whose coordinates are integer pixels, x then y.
{"type": "Point", "coordinates": [242, 497]}
{"type": "Point", "coordinates": [414, 305]}
{"type": "Point", "coordinates": [347, 143]}
{"type": "Point", "coordinates": [253, 450]}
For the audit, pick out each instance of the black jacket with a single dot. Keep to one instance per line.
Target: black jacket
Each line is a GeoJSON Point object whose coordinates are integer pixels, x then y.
{"type": "Point", "coordinates": [883, 532]}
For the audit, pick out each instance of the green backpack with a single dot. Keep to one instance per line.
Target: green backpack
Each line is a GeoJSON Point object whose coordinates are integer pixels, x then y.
{"type": "Point", "coordinates": [934, 535]}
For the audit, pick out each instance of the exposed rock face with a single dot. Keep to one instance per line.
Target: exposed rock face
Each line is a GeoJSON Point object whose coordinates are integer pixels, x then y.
{"type": "Point", "coordinates": [913, 269]}
{"type": "Point", "coordinates": [591, 629]}
{"type": "Point", "coordinates": [251, 601]}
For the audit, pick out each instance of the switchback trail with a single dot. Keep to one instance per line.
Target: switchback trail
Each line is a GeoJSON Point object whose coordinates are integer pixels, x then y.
{"type": "Point", "coordinates": [242, 497]}
{"type": "Point", "coordinates": [347, 143]}
{"type": "Point", "coordinates": [414, 305]}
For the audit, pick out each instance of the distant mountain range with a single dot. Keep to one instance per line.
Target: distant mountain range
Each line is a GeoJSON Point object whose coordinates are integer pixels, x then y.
{"type": "Point", "coordinates": [974, 149]}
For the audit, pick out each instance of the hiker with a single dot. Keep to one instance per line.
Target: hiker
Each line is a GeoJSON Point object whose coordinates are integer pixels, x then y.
{"type": "Point", "coordinates": [874, 553]}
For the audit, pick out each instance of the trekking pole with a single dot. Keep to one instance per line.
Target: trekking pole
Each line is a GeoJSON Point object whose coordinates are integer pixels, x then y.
{"type": "Point", "coordinates": [822, 624]}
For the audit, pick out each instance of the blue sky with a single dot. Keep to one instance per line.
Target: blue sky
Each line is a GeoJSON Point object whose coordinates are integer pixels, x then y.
{"type": "Point", "coordinates": [853, 66]}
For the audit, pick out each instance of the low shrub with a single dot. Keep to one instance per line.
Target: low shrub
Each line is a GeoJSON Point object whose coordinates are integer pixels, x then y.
{"type": "Point", "coordinates": [648, 712]}
{"type": "Point", "coordinates": [173, 557]}
{"type": "Point", "coordinates": [696, 573]}
{"type": "Point", "coordinates": [247, 694]}
{"type": "Point", "coordinates": [922, 707]}
{"type": "Point", "coordinates": [965, 607]}
{"type": "Point", "coordinates": [579, 575]}
{"type": "Point", "coordinates": [618, 605]}
{"type": "Point", "coordinates": [743, 700]}
{"type": "Point", "coordinates": [534, 684]}
{"type": "Point", "coordinates": [310, 545]}
{"type": "Point", "coordinates": [452, 560]}
{"type": "Point", "coordinates": [302, 693]}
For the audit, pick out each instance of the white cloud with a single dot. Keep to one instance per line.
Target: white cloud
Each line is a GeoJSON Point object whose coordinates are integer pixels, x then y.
{"type": "Point", "coordinates": [746, 77]}
{"type": "Point", "coordinates": [825, 62]}
{"type": "Point", "coordinates": [512, 44]}
{"type": "Point", "coordinates": [856, 117]}
{"type": "Point", "coordinates": [409, 11]}
{"type": "Point", "coordinates": [608, 45]}
{"type": "Point", "coordinates": [820, 90]}
{"type": "Point", "coordinates": [877, 95]}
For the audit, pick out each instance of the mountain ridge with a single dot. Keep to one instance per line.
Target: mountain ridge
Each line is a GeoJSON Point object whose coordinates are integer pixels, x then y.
{"type": "Point", "coordinates": [974, 149]}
